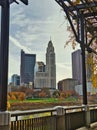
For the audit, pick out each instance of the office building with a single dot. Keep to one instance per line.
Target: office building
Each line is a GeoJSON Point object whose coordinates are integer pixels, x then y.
{"type": "Point", "coordinates": [40, 78]}
{"type": "Point", "coordinates": [39, 67]}
{"type": "Point", "coordinates": [27, 67]}
{"type": "Point", "coordinates": [67, 84]}
{"type": "Point", "coordinates": [77, 66]}
{"type": "Point", "coordinates": [15, 80]}
{"type": "Point", "coordinates": [45, 75]}
{"type": "Point", "coordinates": [51, 65]}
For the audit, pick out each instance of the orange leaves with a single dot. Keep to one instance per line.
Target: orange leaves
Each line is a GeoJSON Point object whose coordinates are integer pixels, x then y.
{"type": "Point", "coordinates": [16, 96]}
{"type": "Point", "coordinates": [67, 93]}
{"type": "Point", "coordinates": [8, 106]}
{"type": "Point", "coordinates": [92, 63]}
{"type": "Point", "coordinates": [75, 2]}
{"type": "Point", "coordinates": [42, 94]}
{"type": "Point", "coordinates": [94, 80]}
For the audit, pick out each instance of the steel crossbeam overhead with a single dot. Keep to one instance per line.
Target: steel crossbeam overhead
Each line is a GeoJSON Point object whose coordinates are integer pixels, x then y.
{"type": "Point", "coordinates": [86, 10]}
{"type": "Point", "coordinates": [82, 16]}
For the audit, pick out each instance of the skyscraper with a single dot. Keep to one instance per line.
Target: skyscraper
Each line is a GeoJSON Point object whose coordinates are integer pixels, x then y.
{"type": "Point", "coordinates": [45, 75]}
{"type": "Point", "coordinates": [77, 65]}
{"type": "Point", "coordinates": [50, 65]}
{"type": "Point", "coordinates": [27, 67]}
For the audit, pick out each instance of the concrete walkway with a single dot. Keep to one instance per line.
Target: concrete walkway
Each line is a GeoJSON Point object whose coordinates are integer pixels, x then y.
{"type": "Point", "coordinates": [92, 127]}
{"type": "Point", "coordinates": [84, 128]}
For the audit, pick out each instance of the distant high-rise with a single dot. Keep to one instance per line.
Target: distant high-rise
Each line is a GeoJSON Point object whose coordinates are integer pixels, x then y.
{"type": "Point", "coordinates": [27, 67]}
{"type": "Point", "coordinates": [15, 80]}
{"type": "Point", "coordinates": [77, 65]}
{"type": "Point", "coordinates": [40, 78]}
{"type": "Point", "coordinates": [39, 67]}
{"type": "Point", "coordinates": [45, 75]}
{"type": "Point", "coordinates": [51, 65]}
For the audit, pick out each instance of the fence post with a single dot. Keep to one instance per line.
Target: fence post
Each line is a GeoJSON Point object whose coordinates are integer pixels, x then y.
{"type": "Point", "coordinates": [60, 118]}
{"type": "Point", "coordinates": [87, 116]}
{"type": "Point", "coordinates": [5, 120]}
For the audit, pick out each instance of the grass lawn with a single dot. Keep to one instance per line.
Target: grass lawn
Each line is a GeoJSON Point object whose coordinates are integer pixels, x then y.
{"type": "Point", "coordinates": [41, 103]}
{"type": "Point", "coordinates": [46, 100]}
{"type": "Point", "coordinates": [51, 100]}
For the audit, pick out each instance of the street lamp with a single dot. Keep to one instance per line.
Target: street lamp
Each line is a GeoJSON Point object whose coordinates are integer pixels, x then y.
{"type": "Point", "coordinates": [4, 50]}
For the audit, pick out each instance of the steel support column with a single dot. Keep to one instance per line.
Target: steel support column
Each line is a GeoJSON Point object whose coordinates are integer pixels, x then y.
{"type": "Point", "coordinates": [4, 49]}
{"type": "Point", "coordinates": [82, 45]}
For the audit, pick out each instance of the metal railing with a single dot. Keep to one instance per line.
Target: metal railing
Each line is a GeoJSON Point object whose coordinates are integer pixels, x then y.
{"type": "Point", "coordinates": [51, 119]}
{"type": "Point", "coordinates": [33, 120]}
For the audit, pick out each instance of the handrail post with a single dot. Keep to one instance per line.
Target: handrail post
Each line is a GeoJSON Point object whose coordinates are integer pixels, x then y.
{"type": "Point", "coordinates": [60, 119]}
{"type": "Point", "coordinates": [5, 120]}
{"type": "Point", "coordinates": [87, 116]}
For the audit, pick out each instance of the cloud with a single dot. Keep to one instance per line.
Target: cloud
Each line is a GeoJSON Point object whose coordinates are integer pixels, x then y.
{"type": "Point", "coordinates": [14, 66]}
{"type": "Point", "coordinates": [62, 65]}
{"type": "Point", "coordinates": [30, 29]}
{"type": "Point", "coordinates": [16, 43]}
{"type": "Point", "coordinates": [63, 71]}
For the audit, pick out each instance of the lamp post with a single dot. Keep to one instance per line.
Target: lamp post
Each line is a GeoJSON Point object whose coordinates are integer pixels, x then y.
{"type": "Point", "coordinates": [4, 50]}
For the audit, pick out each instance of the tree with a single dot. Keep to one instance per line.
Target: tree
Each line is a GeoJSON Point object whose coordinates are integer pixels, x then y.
{"type": "Point", "coordinates": [42, 94]}
{"type": "Point", "coordinates": [92, 62]}
{"type": "Point", "coordinates": [16, 96]}
{"type": "Point", "coordinates": [29, 93]}
{"type": "Point", "coordinates": [56, 93]}
{"type": "Point", "coordinates": [46, 90]}
{"type": "Point", "coordinates": [22, 89]}
{"type": "Point", "coordinates": [75, 2]}
{"type": "Point", "coordinates": [62, 94]}
{"type": "Point", "coordinates": [21, 96]}
{"type": "Point", "coordinates": [90, 39]}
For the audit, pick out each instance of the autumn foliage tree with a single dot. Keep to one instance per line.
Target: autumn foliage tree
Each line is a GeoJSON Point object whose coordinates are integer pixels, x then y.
{"type": "Point", "coordinates": [46, 91]}
{"type": "Point", "coordinates": [16, 96]}
{"type": "Point", "coordinates": [68, 93]}
{"type": "Point", "coordinates": [56, 94]}
{"type": "Point", "coordinates": [42, 94]}
{"type": "Point", "coordinates": [92, 61]}
{"type": "Point", "coordinates": [90, 33]}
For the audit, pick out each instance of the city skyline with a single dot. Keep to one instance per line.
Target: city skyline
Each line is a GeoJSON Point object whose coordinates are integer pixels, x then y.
{"type": "Point", "coordinates": [31, 28]}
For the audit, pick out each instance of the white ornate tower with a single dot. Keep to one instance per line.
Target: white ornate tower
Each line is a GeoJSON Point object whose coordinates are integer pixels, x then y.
{"type": "Point", "coordinates": [51, 66]}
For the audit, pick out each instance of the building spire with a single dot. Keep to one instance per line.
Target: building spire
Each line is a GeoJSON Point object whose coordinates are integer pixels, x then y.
{"type": "Point", "coordinates": [50, 38]}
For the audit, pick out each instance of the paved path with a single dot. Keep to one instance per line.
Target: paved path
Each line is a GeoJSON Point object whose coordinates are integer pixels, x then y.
{"type": "Point", "coordinates": [84, 128]}
{"type": "Point", "coordinates": [93, 127]}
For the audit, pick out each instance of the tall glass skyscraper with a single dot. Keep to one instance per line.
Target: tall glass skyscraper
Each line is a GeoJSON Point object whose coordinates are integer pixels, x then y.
{"type": "Point", "coordinates": [27, 67]}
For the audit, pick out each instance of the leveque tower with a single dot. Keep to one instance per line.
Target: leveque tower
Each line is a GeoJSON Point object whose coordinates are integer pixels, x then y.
{"type": "Point", "coordinates": [46, 77]}
{"type": "Point", "coordinates": [50, 65]}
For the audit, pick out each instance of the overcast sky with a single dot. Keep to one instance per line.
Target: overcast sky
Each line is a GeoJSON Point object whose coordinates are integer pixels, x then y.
{"type": "Point", "coordinates": [31, 28]}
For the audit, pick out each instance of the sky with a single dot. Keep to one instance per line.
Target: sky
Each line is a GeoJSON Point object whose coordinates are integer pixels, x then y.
{"type": "Point", "coordinates": [31, 28]}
